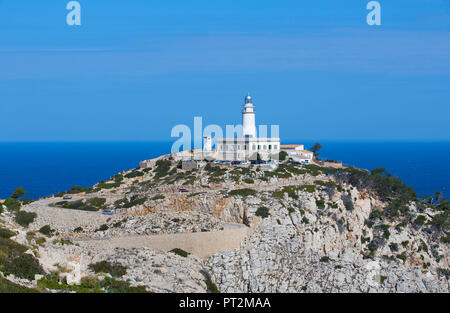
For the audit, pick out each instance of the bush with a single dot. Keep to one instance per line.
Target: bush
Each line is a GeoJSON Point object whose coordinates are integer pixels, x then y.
{"type": "Point", "coordinates": [92, 204]}
{"type": "Point", "coordinates": [12, 204]}
{"type": "Point", "coordinates": [115, 269]}
{"type": "Point", "coordinates": [19, 192]}
{"type": "Point", "coordinates": [6, 233]}
{"type": "Point", "coordinates": [162, 168]}
{"type": "Point", "coordinates": [401, 257]}
{"type": "Point", "coordinates": [9, 287]}
{"type": "Point", "coordinates": [46, 230]}
{"type": "Point", "coordinates": [24, 218]}
{"type": "Point", "coordinates": [23, 266]}
{"type": "Point", "coordinates": [180, 252]}
{"type": "Point", "coordinates": [349, 205]}
{"type": "Point", "coordinates": [282, 155]}
{"type": "Point", "coordinates": [320, 204]}
{"type": "Point", "coordinates": [133, 174]}
{"type": "Point", "coordinates": [242, 192]}
{"type": "Point", "coordinates": [210, 286]}
{"type": "Point", "coordinates": [420, 220]}
{"type": "Point", "coordinates": [119, 286]}
{"type": "Point", "coordinates": [249, 181]}
{"type": "Point", "coordinates": [308, 188]}
{"type": "Point", "coordinates": [262, 212]}
{"type": "Point", "coordinates": [444, 271]}
{"type": "Point", "coordinates": [325, 259]}
{"type": "Point", "coordinates": [135, 200]}
{"type": "Point", "coordinates": [103, 227]}
{"type": "Point", "coordinates": [78, 229]}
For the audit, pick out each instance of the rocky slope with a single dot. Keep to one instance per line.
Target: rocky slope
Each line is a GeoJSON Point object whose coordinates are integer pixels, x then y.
{"type": "Point", "coordinates": [311, 229]}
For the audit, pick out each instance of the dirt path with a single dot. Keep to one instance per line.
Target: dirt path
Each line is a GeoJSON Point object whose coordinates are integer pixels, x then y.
{"type": "Point", "coordinates": [201, 244]}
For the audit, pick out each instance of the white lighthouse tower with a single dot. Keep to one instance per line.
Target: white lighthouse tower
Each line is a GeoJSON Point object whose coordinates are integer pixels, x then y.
{"type": "Point", "coordinates": [248, 119]}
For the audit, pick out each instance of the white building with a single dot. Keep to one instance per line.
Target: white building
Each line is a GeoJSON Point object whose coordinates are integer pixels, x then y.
{"type": "Point", "coordinates": [298, 153]}
{"type": "Point", "coordinates": [249, 145]}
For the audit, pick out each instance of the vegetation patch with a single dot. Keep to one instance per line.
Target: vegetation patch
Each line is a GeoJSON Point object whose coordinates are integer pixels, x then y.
{"type": "Point", "coordinates": [162, 168]}
{"type": "Point", "coordinates": [134, 174]}
{"type": "Point", "coordinates": [92, 204]}
{"type": "Point", "coordinates": [115, 269]}
{"type": "Point", "coordinates": [128, 203]}
{"type": "Point", "coordinates": [23, 265]}
{"type": "Point", "coordinates": [211, 287]}
{"type": "Point", "coordinates": [7, 286]}
{"type": "Point", "coordinates": [6, 233]}
{"type": "Point", "coordinates": [46, 230]}
{"type": "Point", "coordinates": [180, 252]}
{"type": "Point", "coordinates": [242, 192]}
{"type": "Point", "coordinates": [24, 218]}
{"type": "Point", "coordinates": [262, 212]}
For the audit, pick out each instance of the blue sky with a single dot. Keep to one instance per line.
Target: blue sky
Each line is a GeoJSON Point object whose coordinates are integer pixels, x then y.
{"type": "Point", "coordinates": [134, 69]}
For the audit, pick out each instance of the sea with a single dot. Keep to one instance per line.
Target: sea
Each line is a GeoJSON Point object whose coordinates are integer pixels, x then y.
{"type": "Point", "coordinates": [45, 168]}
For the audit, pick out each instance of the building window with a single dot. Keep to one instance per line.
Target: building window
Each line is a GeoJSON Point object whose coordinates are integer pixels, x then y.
{"type": "Point", "coordinates": [264, 147]}
{"type": "Point", "coordinates": [275, 147]}
{"type": "Point", "coordinates": [270, 147]}
{"type": "Point", "coordinates": [259, 147]}
{"type": "Point", "coordinates": [254, 147]}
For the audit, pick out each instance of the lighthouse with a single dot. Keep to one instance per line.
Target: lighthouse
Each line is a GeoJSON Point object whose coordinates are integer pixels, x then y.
{"type": "Point", "coordinates": [249, 146]}
{"type": "Point", "coordinates": [248, 119]}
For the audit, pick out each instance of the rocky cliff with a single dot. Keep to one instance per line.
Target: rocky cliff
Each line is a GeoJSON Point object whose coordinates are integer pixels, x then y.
{"type": "Point", "coordinates": [309, 229]}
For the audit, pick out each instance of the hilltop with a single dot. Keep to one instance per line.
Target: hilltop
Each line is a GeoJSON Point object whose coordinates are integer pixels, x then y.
{"type": "Point", "coordinates": [314, 228]}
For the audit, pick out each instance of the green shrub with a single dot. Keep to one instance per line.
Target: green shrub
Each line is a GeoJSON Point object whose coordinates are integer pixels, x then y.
{"type": "Point", "coordinates": [46, 230]}
{"type": "Point", "coordinates": [349, 205]}
{"type": "Point", "coordinates": [420, 220]}
{"type": "Point", "coordinates": [325, 259]}
{"type": "Point", "coordinates": [12, 204]}
{"type": "Point", "coordinates": [19, 192]}
{"type": "Point", "coordinates": [92, 204]}
{"type": "Point", "coordinates": [401, 257]}
{"type": "Point", "coordinates": [133, 201]}
{"type": "Point", "coordinates": [393, 246]}
{"type": "Point", "coordinates": [78, 229]}
{"type": "Point", "coordinates": [262, 212]}
{"type": "Point", "coordinates": [134, 174]}
{"type": "Point", "coordinates": [119, 286]}
{"type": "Point", "coordinates": [242, 192]}
{"type": "Point", "coordinates": [24, 218]}
{"type": "Point", "coordinates": [24, 266]}
{"type": "Point", "coordinates": [249, 181]}
{"type": "Point", "coordinates": [118, 178]}
{"type": "Point", "coordinates": [9, 287]}
{"type": "Point", "coordinates": [104, 185]}
{"type": "Point", "coordinates": [444, 271]}
{"type": "Point", "coordinates": [282, 155]}
{"type": "Point", "coordinates": [162, 168]}
{"type": "Point", "coordinates": [158, 197]}
{"type": "Point", "coordinates": [6, 233]}
{"type": "Point", "coordinates": [179, 252]}
{"type": "Point", "coordinates": [320, 204]}
{"type": "Point", "coordinates": [115, 269]}
{"type": "Point", "coordinates": [103, 227]}
{"type": "Point", "coordinates": [308, 188]}
{"type": "Point", "coordinates": [210, 286]}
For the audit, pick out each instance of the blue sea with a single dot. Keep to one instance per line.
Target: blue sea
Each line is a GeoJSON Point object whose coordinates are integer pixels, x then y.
{"type": "Point", "coordinates": [46, 168]}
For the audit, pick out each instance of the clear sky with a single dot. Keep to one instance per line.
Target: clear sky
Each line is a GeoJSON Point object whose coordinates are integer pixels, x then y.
{"type": "Point", "coordinates": [136, 68]}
